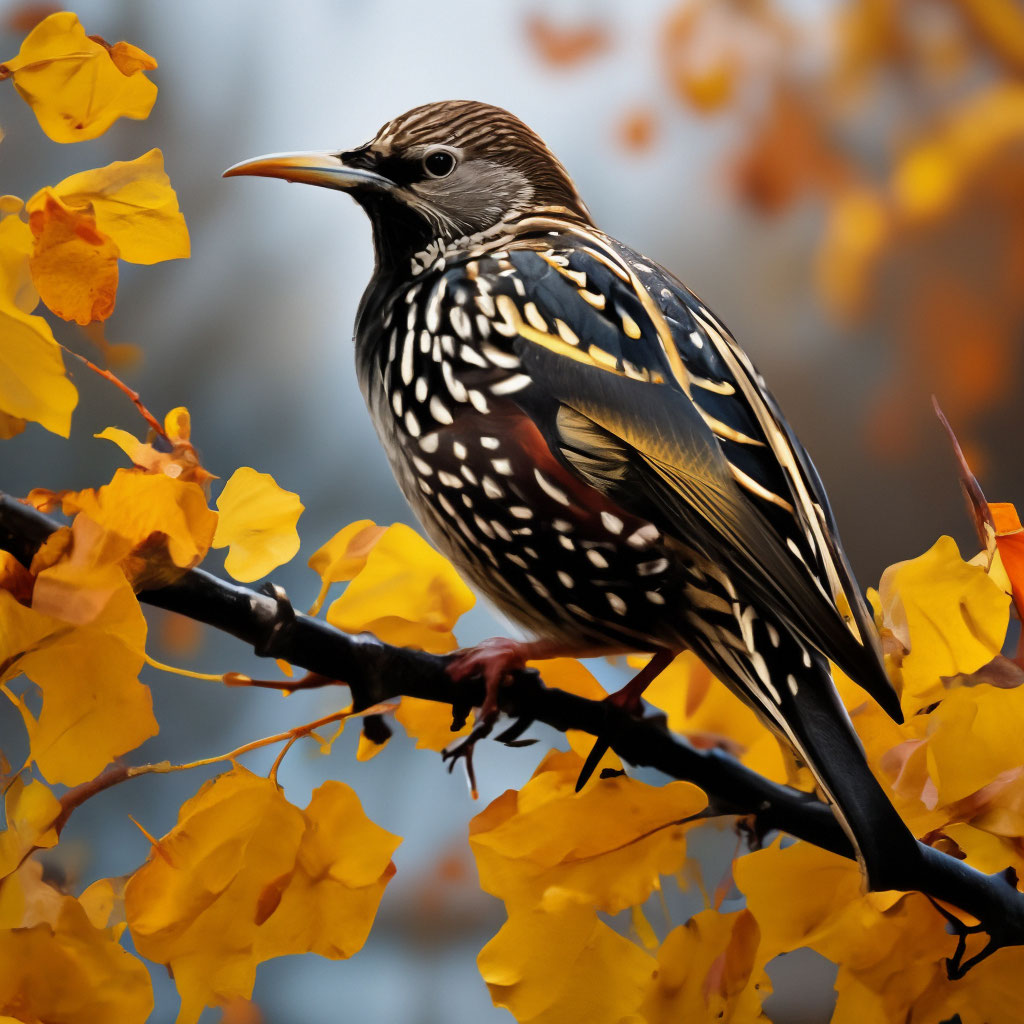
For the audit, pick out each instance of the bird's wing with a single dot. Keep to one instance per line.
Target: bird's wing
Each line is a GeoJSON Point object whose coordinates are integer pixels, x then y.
{"type": "Point", "coordinates": [643, 393]}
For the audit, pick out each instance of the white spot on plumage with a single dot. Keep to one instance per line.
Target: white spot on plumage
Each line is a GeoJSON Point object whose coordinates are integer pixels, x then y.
{"type": "Point", "coordinates": [468, 474]}
{"type": "Point", "coordinates": [791, 683]}
{"type": "Point", "coordinates": [647, 534]}
{"type": "Point", "coordinates": [421, 389]}
{"type": "Point", "coordinates": [504, 360]}
{"type": "Point", "coordinates": [520, 512]}
{"type": "Point", "coordinates": [516, 560]}
{"type": "Point", "coordinates": [459, 450]}
{"type": "Point", "coordinates": [654, 597]}
{"type": "Point", "coordinates": [773, 634]}
{"type": "Point", "coordinates": [484, 527]}
{"type": "Point", "coordinates": [468, 354]}
{"type": "Point", "coordinates": [533, 317]}
{"type": "Point", "coordinates": [597, 558]}
{"type": "Point", "coordinates": [806, 658]}
{"type": "Point", "coordinates": [562, 525]}
{"type": "Point", "coordinates": [500, 530]}
{"type": "Point", "coordinates": [424, 486]}
{"type": "Point", "coordinates": [446, 504]}
{"type": "Point", "coordinates": [449, 479]}
{"type": "Point", "coordinates": [425, 339]}
{"type": "Point", "coordinates": [502, 466]}
{"type": "Point", "coordinates": [432, 317]}
{"type": "Point", "coordinates": [566, 580]}
{"type": "Point", "coordinates": [429, 442]}
{"type": "Point", "coordinates": [696, 339]}
{"type": "Point", "coordinates": [510, 385]}
{"type": "Point", "coordinates": [566, 542]}
{"type": "Point", "coordinates": [412, 425]}
{"type": "Point", "coordinates": [477, 400]}
{"type": "Point", "coordinates": [490, 442]}
{"type": "Point", "coordinates": [423, 466]}
{"type": "Point", "coordinates": [460, 322]}
{"type": "Point", "coordinates": [396, 402]}
{"type": "Point", "coordinates": [550, 489]}
{"type": "Point", "coordinates": [618, 605]}
{"type": "Point", "coordinates": [538, 586]}
{"type": "Point", "coordinates": [440, 411]}
{"type": "Point", "coordinates": [613, 524]}
{"type": "Point", "coordinates": [491, 489]}
{"type": "Point", "coordinates": [455, 386]}
{"type": "Point", "coordinates": [652, 568]}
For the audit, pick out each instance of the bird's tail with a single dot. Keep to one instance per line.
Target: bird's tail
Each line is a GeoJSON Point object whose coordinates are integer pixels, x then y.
{"type": "Point", "coordinates": [818, 726]}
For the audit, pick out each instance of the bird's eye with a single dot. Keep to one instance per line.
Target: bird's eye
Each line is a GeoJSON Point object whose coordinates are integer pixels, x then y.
{"type": "Point", "coordinates": [439, 164]}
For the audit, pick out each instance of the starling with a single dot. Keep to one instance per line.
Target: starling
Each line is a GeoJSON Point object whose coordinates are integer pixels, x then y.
{"type": "Point", "coordinates": [587, 443]}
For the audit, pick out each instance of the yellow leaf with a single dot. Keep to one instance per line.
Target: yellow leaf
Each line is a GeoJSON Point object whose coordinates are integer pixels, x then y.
{"type": "Point", "coordinates": [33, 384]}
{"type": "Point", "coordinates": [31, 811]}
{"type": "Point", "coordinates": [257, 522]}
{"type": "Point", "coordinates": [709, 970]}
{"type": "Point", "coordinates": [608, 843]}
{"type": "Point", "coordinates": [133, 203]}
{"type": "Point", "coordinates": [73, 264]}
{"type": "Point", "coordinates": [244, 876]}
{"type": "Point", "coordinates": [974, 735]}
{"type": "Point", "coordinates": [58, 966]}
{"type": "Point", "coordinates": [805, 896]}
{"type": "Point", "coordinates": [180, 463]}
{"type": "Point", "coordinates": [949, 614]}
{"type": "Point", "coordinates": [153, 525]}
{"type": "Point", "coordinates": [560, 964]}
{"type": "Point", "coordinates": [73, 84]}
{"type": "Point", "coordinates": [405, 593]}
{"type": "Point", "coordinates": [343, 556]}
{"type": "Point", "coordinates": [16, 288]}
{"type": "Point", "coordinates": [94, 708]}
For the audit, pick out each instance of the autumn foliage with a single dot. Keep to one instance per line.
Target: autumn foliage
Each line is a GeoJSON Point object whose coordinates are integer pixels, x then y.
{"type": "Point", "coordinates": [246, 876]}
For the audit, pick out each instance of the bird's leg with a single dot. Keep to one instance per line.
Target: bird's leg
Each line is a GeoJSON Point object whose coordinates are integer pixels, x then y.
{"type": "Point", "coordinates": [496, 658]}
{"type": "Point", "coordinates": [629, 699]}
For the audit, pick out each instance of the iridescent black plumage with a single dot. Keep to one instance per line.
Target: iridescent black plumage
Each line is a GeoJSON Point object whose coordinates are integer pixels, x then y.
{"type": "Point", "coordinates": [588, 444]}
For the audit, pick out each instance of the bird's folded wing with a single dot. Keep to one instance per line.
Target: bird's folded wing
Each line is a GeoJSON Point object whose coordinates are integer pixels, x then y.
{"type": "Point", "coordinates": [646, 396]}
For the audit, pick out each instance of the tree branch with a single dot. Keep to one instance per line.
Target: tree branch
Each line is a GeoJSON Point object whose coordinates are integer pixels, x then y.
{"type": "Point", "coordinates": [377, 672]}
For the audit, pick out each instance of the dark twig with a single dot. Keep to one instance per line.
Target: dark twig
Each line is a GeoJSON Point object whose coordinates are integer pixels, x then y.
{"type": "Point", "coordinates": [377, 673]}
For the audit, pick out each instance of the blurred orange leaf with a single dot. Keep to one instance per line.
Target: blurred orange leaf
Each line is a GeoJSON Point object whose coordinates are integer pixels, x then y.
{"type": "Point", "coordinates": [31, 809]}
{"type": "Point", "coordinates": [563, 45]}
{"type": "Point", "coordinates": [74, 84]}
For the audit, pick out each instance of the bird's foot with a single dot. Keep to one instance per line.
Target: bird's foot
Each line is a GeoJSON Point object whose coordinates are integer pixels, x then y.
{"type": "Point", "coordinates": [494, 660]}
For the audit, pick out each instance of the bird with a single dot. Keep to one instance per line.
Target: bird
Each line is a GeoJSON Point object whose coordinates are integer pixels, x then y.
{"type": "Point", "coordinates": [590, 446]}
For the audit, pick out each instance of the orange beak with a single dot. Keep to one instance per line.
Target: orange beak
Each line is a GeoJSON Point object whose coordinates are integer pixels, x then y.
{"type": "Point", "coordinates": [324, 169]}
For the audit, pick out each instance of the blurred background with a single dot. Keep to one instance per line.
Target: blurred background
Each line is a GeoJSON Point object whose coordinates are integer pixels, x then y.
{"type": "Point", "coordinates": [842, 181]}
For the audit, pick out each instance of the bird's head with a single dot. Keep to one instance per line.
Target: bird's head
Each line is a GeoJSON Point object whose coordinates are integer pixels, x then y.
{"type": "Point", "coordinates": [437, 174]}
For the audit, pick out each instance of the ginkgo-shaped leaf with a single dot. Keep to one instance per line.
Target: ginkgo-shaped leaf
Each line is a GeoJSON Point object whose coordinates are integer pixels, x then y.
{"type": "Point", "coordinates": [950, 615]}
{"type": "Point", "coordinates": [245, 876]}
{"type": "Point", "coordinates": [58, 965]}
{"type": "Point", "coordinates": [30, 810]}
{"type": "Point", "coordinates": [257, 523]}
{"type": "Point", "coordinates": [559, 963]}
{"type": "Point", "coordinates": [180, 463]}
{"type": "Point", "coordinates": [133, 204]}
{"type": "Point", "coordinates": [343, 556]}
{"type": "Point", "coordinates": [804, 896]}
{"type": "Point", "coordinates": [78, 86]}
{"type": "Point", "coordinates": [405, 593]}
{"type": "Point", "coordinates": [608, 843]}
{"type": "Point", "coordinates": [709, 970]}
{"type": "Point", "coordinates": [153, 525]}
{"type": "Point", "coordinates": [33, 383]}
{"type": "Point", "coordinates": [73, 264]}
{"type": "Point", "coordinates": [94, 708]}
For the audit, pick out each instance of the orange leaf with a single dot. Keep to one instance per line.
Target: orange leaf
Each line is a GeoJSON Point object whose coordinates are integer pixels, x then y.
{"type": "Point", "coordinates": [73, 264]}
{"type": "Point", "coordinates": [563, 46]}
